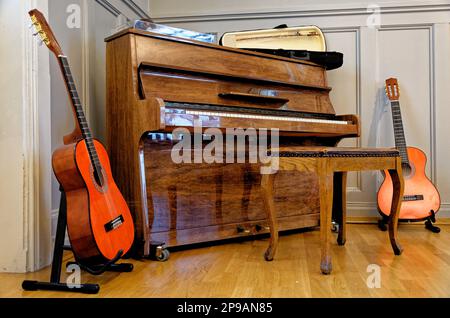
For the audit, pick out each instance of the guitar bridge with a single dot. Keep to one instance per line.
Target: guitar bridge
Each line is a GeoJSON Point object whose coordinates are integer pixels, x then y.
{"type": "Point", "coordinates": [417, 197]}
{"type": "Point", "coordinates": [114, 224]}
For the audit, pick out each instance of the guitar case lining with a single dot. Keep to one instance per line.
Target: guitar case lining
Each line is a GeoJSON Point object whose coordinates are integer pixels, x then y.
{"type": "Point", "coordinates": [303, 43]}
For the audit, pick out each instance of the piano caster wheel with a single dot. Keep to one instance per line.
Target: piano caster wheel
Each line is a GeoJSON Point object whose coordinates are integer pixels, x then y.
{"type": "Point", "coordinates": [158, 252]}
{"type": "Point", "coordinates": [163, 256]}
{"type": "Point", "coordinates": [382, 225]}
{"type": "Point", "coordinates": [334, 227]}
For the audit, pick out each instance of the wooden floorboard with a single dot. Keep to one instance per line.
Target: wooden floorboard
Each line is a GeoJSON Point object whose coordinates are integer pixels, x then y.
{"type": "Point", "coordinates": [239, 269]}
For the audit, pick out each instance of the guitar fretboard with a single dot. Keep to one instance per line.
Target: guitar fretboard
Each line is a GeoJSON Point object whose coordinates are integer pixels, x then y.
{"type": "Point", "coordinates": [78, 108]}
{"type": "Point", "coordinates": [399, 133]}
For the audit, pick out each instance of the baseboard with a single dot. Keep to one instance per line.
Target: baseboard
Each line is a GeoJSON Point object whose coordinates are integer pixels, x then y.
{"type": "Point", "coordinates": [369, 211]}
{"type": "Point", "coordinates": [374, 220]}
{"type": "Point", "coordinates": [357, 212]}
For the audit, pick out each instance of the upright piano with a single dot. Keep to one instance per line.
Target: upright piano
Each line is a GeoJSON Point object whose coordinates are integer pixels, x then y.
{"type": "Point", "coordinates": [157, 83]}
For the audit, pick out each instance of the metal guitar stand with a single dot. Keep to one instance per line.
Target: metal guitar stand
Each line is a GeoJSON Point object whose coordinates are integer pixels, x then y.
{"type": "Point", "coordinates": [55, 277]}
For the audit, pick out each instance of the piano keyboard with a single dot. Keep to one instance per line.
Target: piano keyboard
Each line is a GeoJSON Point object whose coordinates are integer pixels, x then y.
{"type": "Point", "coordinates": [267, 117]}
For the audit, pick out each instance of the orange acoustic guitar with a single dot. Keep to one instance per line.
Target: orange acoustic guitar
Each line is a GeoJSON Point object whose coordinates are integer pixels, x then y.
{"type": "Point", "coordinates": [421, 199]}
{"type": "Point", "coordinates": [99, 223]}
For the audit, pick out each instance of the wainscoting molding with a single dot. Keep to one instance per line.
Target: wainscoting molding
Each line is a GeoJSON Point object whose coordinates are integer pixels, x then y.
{"type": "Point", "coordinates": [358, 110]}
{"type": "Point", "coordinates": [432, 84]}
{"type": "Point", "coordinates": [85, 60]}
{"type": "Point", "coordinates": [299, 12]}
{"type": "Point", "coordinates": [337, 18]}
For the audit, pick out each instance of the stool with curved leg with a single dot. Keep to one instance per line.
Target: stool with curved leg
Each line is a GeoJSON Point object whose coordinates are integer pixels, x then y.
{"type": "Point", "coordinates": [331, 165]}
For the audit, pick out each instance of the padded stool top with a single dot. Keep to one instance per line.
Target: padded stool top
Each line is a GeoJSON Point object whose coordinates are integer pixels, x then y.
{"type": "Point", "coordinates": [327, 152]}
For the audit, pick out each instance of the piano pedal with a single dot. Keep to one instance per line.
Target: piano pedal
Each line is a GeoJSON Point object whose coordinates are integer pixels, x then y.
{"type": "Point", "coordinates": [429, 223]}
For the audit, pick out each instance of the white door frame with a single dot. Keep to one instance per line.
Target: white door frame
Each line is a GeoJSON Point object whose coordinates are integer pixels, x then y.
{"type": "Point", "coordinates": [37, 147]}
{"type": "Point", "coordinates": [31, 243]}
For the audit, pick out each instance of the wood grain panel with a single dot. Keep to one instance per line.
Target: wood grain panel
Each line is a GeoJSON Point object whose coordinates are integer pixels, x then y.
{"type": "Point", "coordinates": [202, 188]}
{"type": "Point", "coordinates": [178, 86]}
{"type": "Point", "coordinates": [217, 60]}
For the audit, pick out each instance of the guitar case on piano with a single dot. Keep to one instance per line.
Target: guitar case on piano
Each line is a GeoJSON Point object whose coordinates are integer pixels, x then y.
{"type": "Point", "coordinates": [303, 43]}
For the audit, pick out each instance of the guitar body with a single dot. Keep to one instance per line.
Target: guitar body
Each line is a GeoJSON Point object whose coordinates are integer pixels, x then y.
{"type": "Point", "coordinates": [99, 222]}
{"type": "Point", "coordinates": [420, 195]}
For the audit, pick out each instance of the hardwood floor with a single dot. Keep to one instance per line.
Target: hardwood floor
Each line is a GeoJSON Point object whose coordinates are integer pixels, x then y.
{"type": "Point", "coordinates": [239, 269]}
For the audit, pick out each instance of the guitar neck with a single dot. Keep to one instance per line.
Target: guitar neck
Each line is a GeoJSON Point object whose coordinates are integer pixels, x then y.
{"type": "Point", "coordinates": [399, 133]}
{"type": "Point", "coordinates": [78, 111]}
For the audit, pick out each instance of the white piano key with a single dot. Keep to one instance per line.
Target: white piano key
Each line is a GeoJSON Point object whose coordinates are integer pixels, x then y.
{"type": "Point", "coordinates": [266, 117]}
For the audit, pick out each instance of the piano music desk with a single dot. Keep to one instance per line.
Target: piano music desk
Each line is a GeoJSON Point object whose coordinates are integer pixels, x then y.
{"type": "Point", "coordinates": [331, 165]}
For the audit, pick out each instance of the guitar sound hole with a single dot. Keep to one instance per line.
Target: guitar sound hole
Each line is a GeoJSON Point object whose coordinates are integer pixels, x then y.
{"type": "Point", "coordinates": [98, 177]}
{"type": "Point", "coordinates": [407, 170]}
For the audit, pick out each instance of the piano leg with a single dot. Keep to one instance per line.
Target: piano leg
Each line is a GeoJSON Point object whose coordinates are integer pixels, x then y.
{"type": "Point", "coordinates": [326, 204]}
{"type": "Point", "coordinates": [339, 204]}
{"type": "Point", "coordinates": [267, 194]}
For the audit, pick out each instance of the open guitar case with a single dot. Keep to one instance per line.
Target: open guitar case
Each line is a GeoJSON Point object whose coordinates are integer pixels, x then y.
{"type": "Point", "coordinates": [305, 43]}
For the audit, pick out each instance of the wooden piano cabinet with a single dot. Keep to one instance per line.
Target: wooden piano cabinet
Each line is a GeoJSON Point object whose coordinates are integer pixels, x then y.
{"type": "Point", "coordinates": [189, 203]}
{"type": "Point", "coordinates": [206, 202]}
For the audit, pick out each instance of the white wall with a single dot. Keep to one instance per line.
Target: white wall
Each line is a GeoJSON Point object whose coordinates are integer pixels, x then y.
{"type": "Point", "coordinates": [412, 44]}
{"type": "Point", "coordinates": [24, 140]}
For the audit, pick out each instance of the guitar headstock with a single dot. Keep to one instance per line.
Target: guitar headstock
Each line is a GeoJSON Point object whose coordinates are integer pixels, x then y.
{"type": "Point", "coordinates": [392, 89]}
{"type": "Point", "coordinates": [44, 31]}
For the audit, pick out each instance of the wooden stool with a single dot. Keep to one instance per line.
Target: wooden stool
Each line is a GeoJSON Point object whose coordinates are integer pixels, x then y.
{"type": "Point", "coordinates": [331, 166]}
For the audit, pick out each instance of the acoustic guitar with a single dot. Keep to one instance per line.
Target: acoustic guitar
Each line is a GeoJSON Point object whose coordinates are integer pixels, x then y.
{"type": "Point", "coordinates": [99, 222]}
{"type": "Point", "coordinates": [421, 199]}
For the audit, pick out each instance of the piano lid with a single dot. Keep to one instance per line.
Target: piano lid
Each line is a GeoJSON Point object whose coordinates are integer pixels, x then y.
{"type": "Point", "coordinates": [171, 38]}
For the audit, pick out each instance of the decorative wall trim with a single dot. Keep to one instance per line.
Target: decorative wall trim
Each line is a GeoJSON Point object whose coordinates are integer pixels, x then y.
{"type": "Point", "coordinates": [369, 209]}
{"type": "Point", "coordinates": [358, 110]}
{"type": "Point", "coordinates": [432, 84]}
{"type": "Point", "coordinates": [54, 224]}
{"type": "Point", "coordinates": [136, 9]}
{"type": "Point", "coordinates": [85, 61]}
{"type": "Point", "coordinates": [433, 125]}
{"type": "Point", "coordinates": [30, 145]}
{"type": "Point", "coordinates": [300, 12]}
{"type": "Point", "coordinates": [36, 118]}
{"type": "Point", "coordinates": [109, 7]}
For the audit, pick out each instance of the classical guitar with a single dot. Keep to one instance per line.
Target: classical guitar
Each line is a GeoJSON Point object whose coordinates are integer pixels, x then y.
{"type": "Point", "coordinates": [99, 222]}
{"type": "Point", "coordinates": [421, 199]}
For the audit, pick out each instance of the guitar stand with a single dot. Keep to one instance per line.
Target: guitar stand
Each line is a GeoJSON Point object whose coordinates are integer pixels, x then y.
{"type": "Point", "coordinates": [429, 223]}
{"type": "Point", "coordinates": [55, 277]}
{"type": "Point", "coordinates": [382, 223]}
